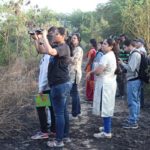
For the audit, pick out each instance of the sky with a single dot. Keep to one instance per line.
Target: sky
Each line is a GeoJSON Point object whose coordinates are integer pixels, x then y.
{"type": "Point", "coordinates": [68, 6]}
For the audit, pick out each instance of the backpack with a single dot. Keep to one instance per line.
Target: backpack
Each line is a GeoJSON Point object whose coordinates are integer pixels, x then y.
{"type": "Point", "coordinates": [144, 69]}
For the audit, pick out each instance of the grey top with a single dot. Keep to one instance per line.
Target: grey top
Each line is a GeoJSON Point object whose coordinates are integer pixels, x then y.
{"type": "Point", "coordinates": [133, 65]}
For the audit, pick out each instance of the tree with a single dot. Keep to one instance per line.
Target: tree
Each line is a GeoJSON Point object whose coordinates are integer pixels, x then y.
{"type": "Point", "coordinates": [136, 19]}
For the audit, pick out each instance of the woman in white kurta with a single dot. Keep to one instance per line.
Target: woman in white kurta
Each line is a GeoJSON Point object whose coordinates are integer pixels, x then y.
{"type": "Point", "coordinates": [105, 88]}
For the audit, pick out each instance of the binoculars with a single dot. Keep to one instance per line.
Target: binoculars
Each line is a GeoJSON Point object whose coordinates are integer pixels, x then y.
{"type": "Point", "coordinates": [37, 31]}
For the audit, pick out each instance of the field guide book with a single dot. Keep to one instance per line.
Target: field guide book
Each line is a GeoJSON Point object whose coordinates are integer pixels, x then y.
{"type": "Point", "coordinates": [42, 100]}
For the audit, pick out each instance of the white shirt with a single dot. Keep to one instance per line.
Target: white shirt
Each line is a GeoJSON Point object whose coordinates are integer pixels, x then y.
{"type": "Point", "coordinates": [43, 80]}
{"type": "Point", "coordinates": [109, 62]}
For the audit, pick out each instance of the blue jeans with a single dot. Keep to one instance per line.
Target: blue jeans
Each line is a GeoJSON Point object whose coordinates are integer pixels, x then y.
{"type": "Point", "coordinates": [133, 96]}
{"type": "Point", "coordinates": [59, 95]}
{"type": "Point", "coordinates": [74, 93]}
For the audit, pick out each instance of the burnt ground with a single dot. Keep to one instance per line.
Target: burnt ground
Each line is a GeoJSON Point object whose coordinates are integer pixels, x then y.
{"type": "Point", "coordinates": [82, 131]}
{"type": "Point", "coordinates": [19, 121]}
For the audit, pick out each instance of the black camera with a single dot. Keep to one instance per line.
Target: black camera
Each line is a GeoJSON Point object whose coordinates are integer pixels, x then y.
{"type": "Point", "coordinates": [37, 31]}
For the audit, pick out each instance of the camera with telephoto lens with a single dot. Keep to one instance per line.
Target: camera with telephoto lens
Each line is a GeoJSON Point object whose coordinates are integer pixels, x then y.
{"type": "Point", "coordinates": [37, 31]}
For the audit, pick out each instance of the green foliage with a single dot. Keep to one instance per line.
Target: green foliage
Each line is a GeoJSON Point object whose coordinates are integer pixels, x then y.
{"type": "Point", "coordinates": [113, 18]}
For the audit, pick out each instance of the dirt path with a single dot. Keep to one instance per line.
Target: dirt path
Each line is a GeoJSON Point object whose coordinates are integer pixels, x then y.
{"type": "Point", "coordinates": [82, 132]}
{"type": "Point", "coordinates": [21, 122]}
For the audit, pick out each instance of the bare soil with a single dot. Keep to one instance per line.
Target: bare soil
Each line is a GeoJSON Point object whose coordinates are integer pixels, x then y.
{"type": "Point", "coordinates": [19, 121]}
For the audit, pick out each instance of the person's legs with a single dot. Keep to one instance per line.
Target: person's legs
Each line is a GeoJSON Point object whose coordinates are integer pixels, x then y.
{"type": "Point", "coordinates": [90, 88]}
{"type": "Point", "coordinates": [42, 119]}
{"type": "Point", "coordinates": [76, 107]}
{"type": "Point", "coordinates": [105, 132]}
{"type": "Point", "coordinates": [43, 134]}
{"type": "Point", "coordinates": [53, 125]}
{"type": "Point", "coordinates": [107, 124]}
{"type": "Point", "coordinates": [52, 128]}
{"type": "Point", "coordinates": [134, 89]}
{"type": "Point", "coordinates": [66, 116]}
{"type": "Point", "coordinates": [120, 84]}
{"type": "Point", "coordinates": [142, 95]}
{"type": "Point", "coordinates": [59, 95]}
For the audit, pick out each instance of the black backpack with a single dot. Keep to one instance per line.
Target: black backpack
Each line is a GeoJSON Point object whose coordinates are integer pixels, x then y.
{"type": "Point", "coordinates": [144, 70]}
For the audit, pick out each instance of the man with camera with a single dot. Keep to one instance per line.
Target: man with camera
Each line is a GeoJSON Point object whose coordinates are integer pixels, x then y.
{"type": "Point", "coordinates": [58, 78]}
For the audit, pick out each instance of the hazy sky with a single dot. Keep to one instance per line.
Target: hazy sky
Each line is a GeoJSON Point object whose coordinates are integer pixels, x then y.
{"type": "Point", "coordinates": [68, 6]}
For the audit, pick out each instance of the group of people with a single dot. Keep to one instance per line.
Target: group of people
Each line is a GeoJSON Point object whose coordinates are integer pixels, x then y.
{"type": "Point", "coordinates": [117, 69]}
{"type": "Point", "coordinates": [60, 75]}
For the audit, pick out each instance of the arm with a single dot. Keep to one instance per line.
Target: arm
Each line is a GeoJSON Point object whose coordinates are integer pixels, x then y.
{"type": "Point", "coordinates": [100, 69]}
{"type": "Point", "coordinates": [133, 62]}
{"type": "Point", "coordinates": [44, 47]}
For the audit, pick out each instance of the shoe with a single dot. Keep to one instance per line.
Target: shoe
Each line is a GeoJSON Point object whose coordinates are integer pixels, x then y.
{"type": "Point", "coordinates": [71, 117]}
{"type": "Point", "coordinates": [39, 135]}
{"type": "Point", "coordinates": [80, 115]}
{"type": "Point", "coordinates": [52, 134]}
{"type": "Point", "coordinates": [101, 129]}
{"type": "Point", "coordinates": [67, 140]}
{"type": "Point", "coordinates": [126, 121]}
{"type": "Point", "coordinates": [55, 144]}
{"type": "Point", "coordinates": [103, 135]}
{"type": "Point", "coordinates": [130, 126]}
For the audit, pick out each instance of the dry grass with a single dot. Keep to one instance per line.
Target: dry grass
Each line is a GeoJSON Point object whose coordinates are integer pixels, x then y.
{"type": "Point", "coordinates": [17, 84]}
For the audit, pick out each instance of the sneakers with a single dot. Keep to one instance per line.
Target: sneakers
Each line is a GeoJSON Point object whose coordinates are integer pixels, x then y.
{"type": "Point", "coordinates": [80, 115]}
{"type": "Point", "coordinates": [103, 135]}
{"type": "Point", "coordinates": [39, 135]}
{"type": "Point", "coordinates": [72, 117]}
{"type": "Point", "coordinates": [67, 140]}
{"type": "Point", "coordinates": [130, 125]}
{"type": "Point", "coordinates": [52, 134]}
{"type": "Point", "coordinates": [55, 144]}
{"type": "Point", "coordinates": [101, 129]}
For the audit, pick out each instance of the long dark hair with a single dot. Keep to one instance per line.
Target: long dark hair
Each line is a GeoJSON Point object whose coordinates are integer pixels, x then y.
{"type": "Point", "coordinates": [111, 42]}
{"type": "Point", "coordinates": [71, 45]}
{"type": "Point", "coordinates": [93, 43]}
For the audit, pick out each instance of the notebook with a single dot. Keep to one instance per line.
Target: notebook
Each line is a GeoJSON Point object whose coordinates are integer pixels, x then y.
{"type": "Point", "coordinates": [42, 100]}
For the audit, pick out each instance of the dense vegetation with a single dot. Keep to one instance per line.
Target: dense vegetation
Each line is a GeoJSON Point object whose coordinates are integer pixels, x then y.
{"type": "Point", "coordinates": [113, 18]}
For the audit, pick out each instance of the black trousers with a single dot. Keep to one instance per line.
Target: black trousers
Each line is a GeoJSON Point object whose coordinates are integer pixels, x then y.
{"type": "Point", "coordinates": [43, 117]}
{"type": "Point", "coordinates": [121, 84]}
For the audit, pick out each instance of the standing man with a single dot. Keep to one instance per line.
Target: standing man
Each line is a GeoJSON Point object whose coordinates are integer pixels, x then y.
{"type": "Point", "coordinates": [133, 85]}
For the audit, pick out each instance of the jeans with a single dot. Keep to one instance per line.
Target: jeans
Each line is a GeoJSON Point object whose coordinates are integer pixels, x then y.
{"type": "Point", "coordinates": [133, 96]}
{"type": "Point", "coordinates": [59, 95]}
{"type": "Point", "coordinates": [74, 93]}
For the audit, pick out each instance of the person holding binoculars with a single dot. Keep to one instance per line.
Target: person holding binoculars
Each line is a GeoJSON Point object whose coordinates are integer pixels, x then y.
{"type": "Point", "coordinates": [58, 78]}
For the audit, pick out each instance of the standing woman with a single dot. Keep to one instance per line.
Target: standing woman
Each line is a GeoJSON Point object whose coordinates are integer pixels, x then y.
{"type": "Point", "coordinates": [105, 88]}
{"type": "Point", "coordinates": [75, 73]}
{"type": "Point", "coordinates": [58, 78]}
{"type": "Point", "coordinates": [90, 57]}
